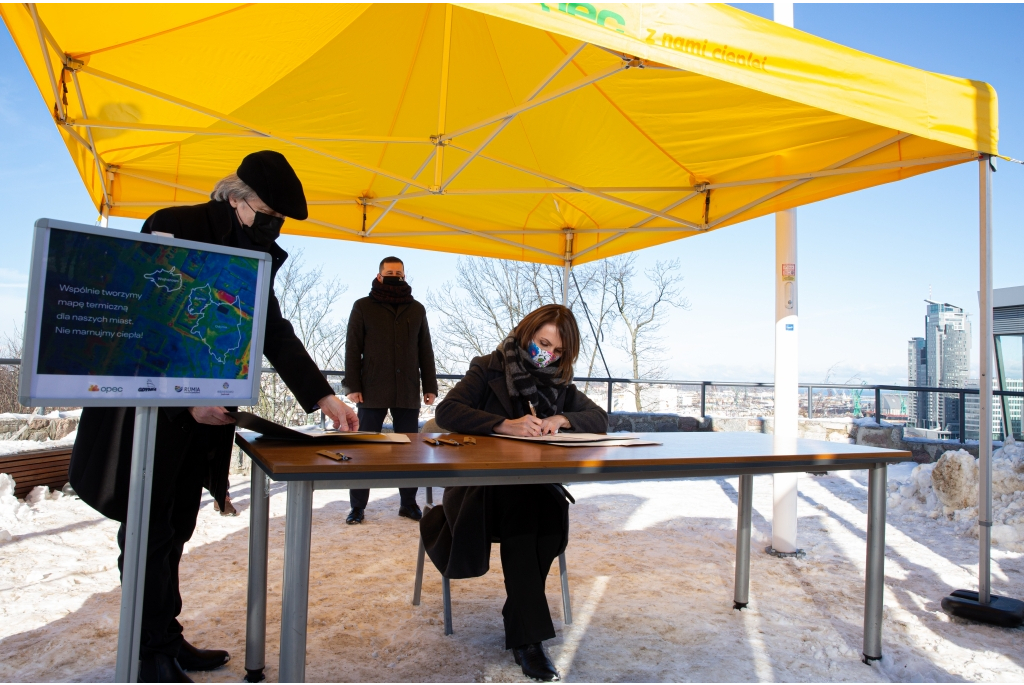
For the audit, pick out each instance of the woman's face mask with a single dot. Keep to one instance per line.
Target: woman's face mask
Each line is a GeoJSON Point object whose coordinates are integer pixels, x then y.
{"type": "Point", "coordinates": [539, 356]}
{"type": "Point", "coordinates": [265, 228]}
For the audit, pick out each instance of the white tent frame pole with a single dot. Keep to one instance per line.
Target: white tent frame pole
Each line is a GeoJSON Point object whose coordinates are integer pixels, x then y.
{"type": "Point", "coordinates": [380, 217]}
{"type": "Point", "coordinates": [831, 167]}
{"type": "Point", "coordinates": [902, 164]}
{"type": "Point", "coordinates": [58, 103]}
{"type": "Point", "coordinates": [985, 393]}
{"type": "Point", "coordinates": [501, 127]}
{"type": "Point", "coordinates": [554, 95]}
{"type": "Point", "coordinates": [160, 182]}
{"type": "Point", "coordinates": [245, 133]}
{"type": "Point", "coordinates": [589, 191]}
{"type": "Point", "coordinates": [535, 190]}
{"type": "Point", "coordinates": [442, 104]}
{"type": "Point", "coordinates": [252, 127]}
{"type": "Point", "coordinates": [478, 234]}
{"type": "Point", "coordinates": [335, 227]}
{"type": "Point", "coordinates": [637, 227]}
{"type": "Point", "coordinates": [100, 166]}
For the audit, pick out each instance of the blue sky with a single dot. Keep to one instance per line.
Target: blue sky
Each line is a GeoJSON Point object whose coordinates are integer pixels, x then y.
{"type": "Point", "coordinates": [867, 260]}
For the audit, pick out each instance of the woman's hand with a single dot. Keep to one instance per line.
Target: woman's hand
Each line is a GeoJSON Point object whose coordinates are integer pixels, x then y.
{"type": "Point", "coordinates": [525, 427]}
{"type": "Point", "coordinates": [552, 424]}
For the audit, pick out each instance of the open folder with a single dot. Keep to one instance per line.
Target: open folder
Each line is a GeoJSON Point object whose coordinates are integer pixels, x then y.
{"type": "Point", "coordinates": [584, 439]}
{"type": "Point", "coordinates": [275, 431]}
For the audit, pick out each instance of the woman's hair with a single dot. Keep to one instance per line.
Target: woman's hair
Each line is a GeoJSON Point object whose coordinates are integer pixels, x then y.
{"type": "Point", "coordinates": [564, 321]}
{"type": "Point", "coordinates": [232, 187]}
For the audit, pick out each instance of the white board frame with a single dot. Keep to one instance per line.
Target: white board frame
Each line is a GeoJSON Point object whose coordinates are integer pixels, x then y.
{"type": "Point", "coordinates": [37, 275]}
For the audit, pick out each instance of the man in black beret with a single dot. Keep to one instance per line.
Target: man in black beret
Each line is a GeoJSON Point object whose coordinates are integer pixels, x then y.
{"type": "Point", "coordinates": [193, 445]}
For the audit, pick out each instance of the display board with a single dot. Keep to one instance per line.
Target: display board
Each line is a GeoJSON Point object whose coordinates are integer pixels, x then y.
{"type": "Point", "coordinates": [116, 318]}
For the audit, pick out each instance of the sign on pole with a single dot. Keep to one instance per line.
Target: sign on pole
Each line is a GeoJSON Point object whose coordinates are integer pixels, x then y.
{"type": "Point", "coordinates": [118, 319]}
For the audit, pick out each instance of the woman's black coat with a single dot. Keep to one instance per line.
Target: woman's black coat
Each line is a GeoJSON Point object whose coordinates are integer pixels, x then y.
{"type": "Point", "coordinates": [101, 457]}
{"type": "Point", "coordinates": [457, 534]}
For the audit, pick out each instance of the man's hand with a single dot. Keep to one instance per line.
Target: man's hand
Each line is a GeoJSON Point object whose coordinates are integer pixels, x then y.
{"type": "Point", "coordinates": [526, 427]}
{"type": "Point", "coordinates": [550, 425]}
{"type": "Point", "coordinates": [340, 413]}
{"type": "Point", "coordinates": [356, 397]}
{"type": "Point", "coordinates": [429, 397]}
{"type": "Point", "coordinates": [211, 416]}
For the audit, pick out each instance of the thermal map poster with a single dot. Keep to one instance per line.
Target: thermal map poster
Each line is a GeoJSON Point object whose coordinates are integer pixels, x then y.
{"type": "Point", "coordinates": [126, 318]}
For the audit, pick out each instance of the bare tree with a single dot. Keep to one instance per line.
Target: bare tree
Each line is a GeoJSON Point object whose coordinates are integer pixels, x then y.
{"type": "Point", "coordinates": [642, 314]}
{"type": "Point", "coordinates": [10, 348]}
{"type": "Point", "coordinates": [308, 300]}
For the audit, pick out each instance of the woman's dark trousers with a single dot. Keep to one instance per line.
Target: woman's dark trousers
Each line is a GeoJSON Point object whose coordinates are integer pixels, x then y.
{"type": "Point", "coordinates": [528, 520]}
{"type": "Point", "coordinates": [404, 421]}
{"type": "Point", "coordinates": [177, 492]}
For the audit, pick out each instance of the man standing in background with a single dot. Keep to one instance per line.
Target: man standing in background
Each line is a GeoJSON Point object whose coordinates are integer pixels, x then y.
{"type": "Point", "coordinates": [387, 353]}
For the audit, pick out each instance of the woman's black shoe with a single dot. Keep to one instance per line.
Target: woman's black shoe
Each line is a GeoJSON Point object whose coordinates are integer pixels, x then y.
{"type": "Point", "coordinates": [354, 516]}
{"type": "Point", "coordinates": [194, 659]}
{"type": "Point", "coordinates": [535, 662]}
{"type": "Point", "coordinates": [161, 668]}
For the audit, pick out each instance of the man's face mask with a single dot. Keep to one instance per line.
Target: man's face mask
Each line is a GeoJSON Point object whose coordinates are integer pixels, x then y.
{"type": "Point", "coordinates": [392, 280]}
{"type": "Point", "coordinates": [265, 228]}
{"type": "Point", "coordinates": [540, 357]}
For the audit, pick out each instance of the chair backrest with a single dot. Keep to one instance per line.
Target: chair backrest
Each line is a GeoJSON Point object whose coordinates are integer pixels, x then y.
{"type": "Point", "coordinates": [431, 426]}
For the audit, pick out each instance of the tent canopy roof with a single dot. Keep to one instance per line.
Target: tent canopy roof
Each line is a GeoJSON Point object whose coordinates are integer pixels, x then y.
{"type": "Point", "coordinates": [535, 132]}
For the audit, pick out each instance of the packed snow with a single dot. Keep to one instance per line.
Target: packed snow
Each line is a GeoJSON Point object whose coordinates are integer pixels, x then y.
{"type": "Point", "coordinates": [650, 567]}
{"type": "Point", "coordinates": [947, 492]}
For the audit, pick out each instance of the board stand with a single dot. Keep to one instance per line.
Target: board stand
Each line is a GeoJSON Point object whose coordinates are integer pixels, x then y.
{"type": "Point", "coordinates": [136, 543]}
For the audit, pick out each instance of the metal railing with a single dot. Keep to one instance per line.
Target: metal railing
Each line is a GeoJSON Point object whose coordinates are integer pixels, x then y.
{"type": "Point", "coordinates": [704, 386]}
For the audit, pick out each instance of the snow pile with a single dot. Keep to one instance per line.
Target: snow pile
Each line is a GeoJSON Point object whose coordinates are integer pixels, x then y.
{"type": "Point", "coordinates": [948, 492]}
{"type": "Point", "coordinates": [11, 510]}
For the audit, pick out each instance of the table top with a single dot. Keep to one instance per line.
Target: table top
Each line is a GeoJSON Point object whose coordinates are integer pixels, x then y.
{"type": "Point", "coordinates": [678, 451]}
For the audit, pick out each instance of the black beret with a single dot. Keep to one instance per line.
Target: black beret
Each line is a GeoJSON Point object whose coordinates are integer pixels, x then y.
{"type": "Point", "coordinates": [272, 177]}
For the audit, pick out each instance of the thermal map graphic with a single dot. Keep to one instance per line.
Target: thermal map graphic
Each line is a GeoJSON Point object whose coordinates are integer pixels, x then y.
{"type": "Point", "coordinates": [118, 307]}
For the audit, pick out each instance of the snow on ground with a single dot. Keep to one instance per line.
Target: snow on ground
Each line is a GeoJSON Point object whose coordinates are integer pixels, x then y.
{"type": "Point", "coordinates": [651, 570]}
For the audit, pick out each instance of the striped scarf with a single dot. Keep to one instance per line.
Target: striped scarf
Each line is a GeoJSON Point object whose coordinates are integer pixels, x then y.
{"type": "Point", "coordinates": [528, 384]}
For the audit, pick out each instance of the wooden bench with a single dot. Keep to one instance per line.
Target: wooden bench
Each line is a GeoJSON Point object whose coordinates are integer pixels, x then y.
{"type": "Point", "coordinates": [39, 467]}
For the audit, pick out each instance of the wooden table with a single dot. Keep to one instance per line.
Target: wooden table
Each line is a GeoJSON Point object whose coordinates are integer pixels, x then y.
{"type": "Point", "coordinates": [497, 461]}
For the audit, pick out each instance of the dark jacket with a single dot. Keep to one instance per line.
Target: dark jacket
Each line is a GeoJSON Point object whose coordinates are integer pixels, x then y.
{"type": "Point", "coordinates": [101, 457]}
{"type": "Point", "coordinates": [457, 534]}
{"type": "Point", "coordinates": [387, 353]}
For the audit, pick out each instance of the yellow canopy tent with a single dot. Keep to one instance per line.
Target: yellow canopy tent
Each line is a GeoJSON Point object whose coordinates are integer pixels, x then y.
{"type": "Point", "coordinates": [556, 133]}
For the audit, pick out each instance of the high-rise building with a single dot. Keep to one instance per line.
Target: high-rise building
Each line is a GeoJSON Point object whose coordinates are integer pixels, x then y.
{"type": "Point", "coordinates": [940, 359]}
{"type": "Point", "coordinates": [917, 373]}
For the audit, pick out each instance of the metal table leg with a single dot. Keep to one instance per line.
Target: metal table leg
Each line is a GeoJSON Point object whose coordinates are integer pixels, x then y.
{"type": "Point", "coordinates": [256, 606]}
{"type": "Point", "coordinates": [563, 576]}
{"type": "Point", "coordinates": [295, 587]}
{"type": "Point", "coordinates": [743, 515]}
{"type": "Point", "coordinates": [874, 584]}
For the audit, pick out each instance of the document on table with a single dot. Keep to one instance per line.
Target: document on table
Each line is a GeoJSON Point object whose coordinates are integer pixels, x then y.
{"type": "Point", "coordinates": [584, 439]}
{"type": "Point", "coordinates": [275, 431]}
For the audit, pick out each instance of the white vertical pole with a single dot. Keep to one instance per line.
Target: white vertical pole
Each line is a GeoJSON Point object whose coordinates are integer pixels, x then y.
{"type": "Point", "coordinates": [985, 392]}
{"type": "Point", "coordinates": [784, 521]}
{"type": "Point", "coordinates": [104, 215]}
{"type": "Point", "coordinates": [566, 269]}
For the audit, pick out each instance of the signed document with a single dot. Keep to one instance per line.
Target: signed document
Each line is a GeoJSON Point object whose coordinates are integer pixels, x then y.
{"type": "Point", "coordinates": [269, 430]}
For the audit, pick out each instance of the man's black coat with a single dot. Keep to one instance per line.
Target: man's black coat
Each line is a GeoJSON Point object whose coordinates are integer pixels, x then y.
{"type": "Point", "coordinates": [101, 458]}
{"type": "Point", "coordinates": [387, 352]}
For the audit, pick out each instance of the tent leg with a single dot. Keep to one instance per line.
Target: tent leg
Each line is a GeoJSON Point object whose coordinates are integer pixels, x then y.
{"type": "Point", "coordinates": [566, 271]}
{"type": "Point", "coordinates": [787, 398]}
{"type": "Point", "coordinates": [104, 216]}
{"type": "Point", "coordinates": [983, 605]}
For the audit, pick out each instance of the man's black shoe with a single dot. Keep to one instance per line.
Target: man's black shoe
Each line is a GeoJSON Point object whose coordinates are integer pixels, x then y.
{"type": "Point", "coordinates": [354, 516]}
{"type": "Point", "coordinates": [535, 662]}
{"type": "Point", "coordinates": [161, 668]}
{"type": "Point", "coordinates": [410, 511]}
{"type": "Point", "coordinates": [194, 659]}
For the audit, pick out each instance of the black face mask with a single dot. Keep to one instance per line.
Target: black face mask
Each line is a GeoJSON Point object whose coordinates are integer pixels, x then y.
{"type": "Point", "coordinates": [392, 280]}
{"type": "Point", "coordinates": [265, 228]}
